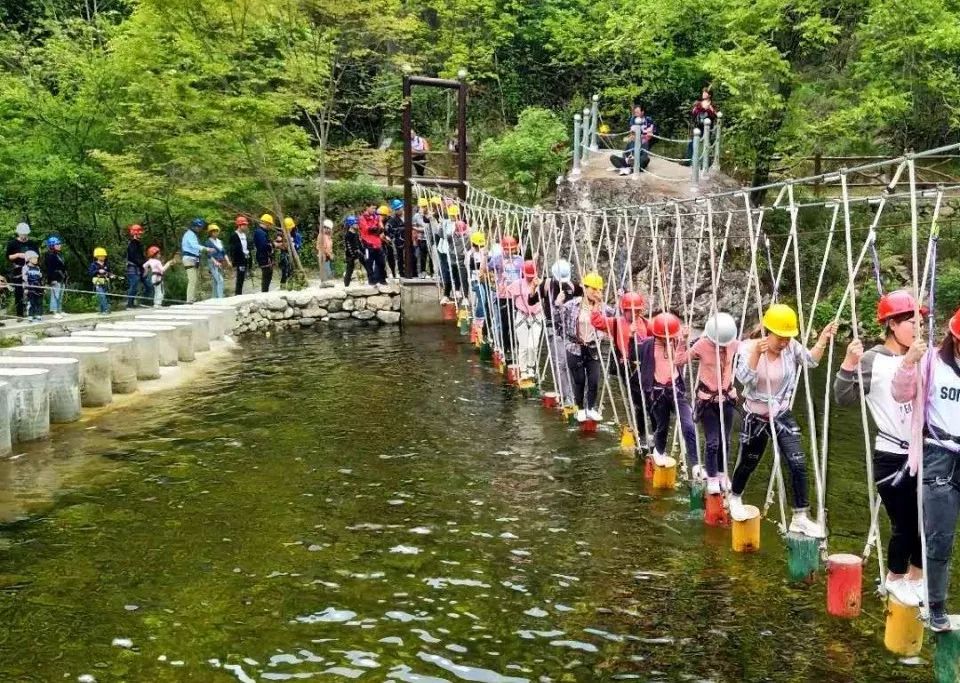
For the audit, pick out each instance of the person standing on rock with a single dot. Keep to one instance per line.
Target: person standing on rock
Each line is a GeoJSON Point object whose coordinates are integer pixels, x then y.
{"type": "Point", "coordinates": [371, 234]}
{"type": "Point", "coordinates": [240, 252]}
{"type": "Point", "coordinates": [134, 270]}
{"type": "Point", "coordinates": [16, 259]}
{"type": "Point", "coordinates": [325, 250]}
{"type": "Point", "coordinates": [264, 247]}
{"type": "Point", "coordinates": [353, 249]}
{"type": "Point", "coordinates": [190, 251]}
{"type": "Point", "coordinates": [56, 272]}
{"type": "Point", "coordinates": [217, 260]}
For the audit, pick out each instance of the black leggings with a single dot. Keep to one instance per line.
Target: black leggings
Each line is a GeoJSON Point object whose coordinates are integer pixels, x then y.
{"type": "Point", "coordinates": [899, 496]}
{"type": "Point", "coordinates": [506, 327]}
{"type": "Point", "coordinates": [754, 434]}
{"type": "Point", "coordinates": [241, 275]}
{"type": "Point", "coordinates": [585, 373]}
{"type": "Point", "coordinates": [266, 276]}
{"type": "Point", "coordinates": [661, 405]}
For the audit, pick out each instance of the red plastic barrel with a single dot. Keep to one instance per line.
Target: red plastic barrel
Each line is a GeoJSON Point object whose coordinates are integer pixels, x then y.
{"type": "Point", "coordinates": [497, 360]}
{"type": "Point", "coordinates": [588, 427]}
{"type": "Point", "coordinates": [549, 400]}
{"type": "Point", "coordinates": [844, 578]}
{"type": "Point", "coordinates": [715, 514]}
{"type": "Point", "coordinates": [449, 311]}
{"type": "Point", "coordinates": [513, 374]}
{"type": "Point", "coordinates": [648, 468]}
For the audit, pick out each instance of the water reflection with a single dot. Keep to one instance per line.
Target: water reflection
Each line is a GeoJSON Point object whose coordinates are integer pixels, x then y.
{"type": "Point", "coordinates": [361, 505]}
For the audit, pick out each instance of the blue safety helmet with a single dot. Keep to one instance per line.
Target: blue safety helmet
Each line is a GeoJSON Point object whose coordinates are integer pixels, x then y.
{"type": "Point", "coordinates": [350, 221]}
{"type": "Point", "coordinates": [199, 223]}
{"type": "Point", "coordinates": [396, 204]}
{"type": "Point", "coordinates": [53, 242]}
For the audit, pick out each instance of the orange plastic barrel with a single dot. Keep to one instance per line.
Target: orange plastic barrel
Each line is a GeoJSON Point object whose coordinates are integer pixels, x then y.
{"type": "Point", "coordinates": [513, 374]}
{"type": "Point", "coordinates": [844, 578]}
{"type": "Point", "coordinates": [588, 427]}
{"type": "Point", "coordinates": [715, 514]}
{"type": "Point", "coordinates": [449, 311]}
{"type": "Point", "coordinates": [648, 468]}
{"type": "Point", "coordinates": [549, 400]}
{"type": "Point", "coordinates": [745, 536]}
{"type": "Point", "coordinates": [665, 476]}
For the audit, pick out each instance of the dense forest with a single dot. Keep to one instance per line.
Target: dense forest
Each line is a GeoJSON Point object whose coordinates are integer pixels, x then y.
{"type": "Point", "coordinates": [153, 111]}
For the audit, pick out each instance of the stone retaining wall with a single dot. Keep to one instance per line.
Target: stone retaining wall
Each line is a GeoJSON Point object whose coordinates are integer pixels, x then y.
{"type": "Point", "coordinates": [305, 308]}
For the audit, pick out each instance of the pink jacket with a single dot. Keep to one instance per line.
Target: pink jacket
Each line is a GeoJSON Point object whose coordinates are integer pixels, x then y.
{"type": "Point", "coordinates": [520, 292]}
{"type": "Point", "coordinates": [704, 350]}
{"type": "Point", "coordinates": [662, 372]}
{"type": "Point", "coordinates": [908, 386]}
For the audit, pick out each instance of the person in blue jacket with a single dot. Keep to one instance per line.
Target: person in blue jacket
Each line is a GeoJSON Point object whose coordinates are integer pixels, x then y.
{"type": "Point", "coordinates": [264, 247]}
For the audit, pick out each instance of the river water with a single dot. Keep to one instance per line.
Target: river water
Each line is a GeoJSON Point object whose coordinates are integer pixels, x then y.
{"type": "Point", "coordinates": [375, 506]}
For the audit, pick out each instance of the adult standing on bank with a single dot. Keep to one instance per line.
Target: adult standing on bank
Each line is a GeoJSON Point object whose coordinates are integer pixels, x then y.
{"type": "Point", "coordinates": [17, 248]}
{"type": "Point", "coordinates": [134, 270]}
{"type": "Point", "coordinates": [240, 252]}
{"type": "Point", "coordinates": [264, 246]}
{"type": "Point", "coordinates": [190, 250]}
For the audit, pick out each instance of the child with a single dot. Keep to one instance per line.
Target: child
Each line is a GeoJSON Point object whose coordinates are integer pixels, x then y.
{"type": "Point", "coordinates": [325, 250]}
{"type": "Point", "coordinates": [658, 360]}
{"type": "Point", "coordinates": [283, 259]}
{"type": "Point", "coordinates": [33, 283]}
{"type": "Point", "coordinates": [216, 259]}
{"type": "Point", "coordinates": [768, 369]}
{"type": "Point", "coordinates": [155, 269]}
{"type": "Point", "coordinates": [56, 273]}
{"type": "Point", "coordinates": [715, 393]}
{"type": "Point", "coordinates": [99, 271]}
{"type": "Point", "coordinates": [353, 248]}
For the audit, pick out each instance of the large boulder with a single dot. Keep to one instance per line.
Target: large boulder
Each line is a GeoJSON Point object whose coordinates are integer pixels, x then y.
{"type": "Point", "coordinates": [361, 290]}
{"type": "Point", "coordinates": [388, 317]}
{"type": "Point", "coordinates": [363, 315]}
{"type": "Point", "coordinates": [388, 289]}
{"type": "Point", "coordinates": [378, 303]}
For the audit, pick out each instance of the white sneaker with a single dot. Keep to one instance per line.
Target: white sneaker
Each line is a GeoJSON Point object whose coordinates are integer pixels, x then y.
{"type": "Point", "coordinates": [713, 485]}
{"type": "Point", "coordinates": [624, 171]}
{"type": "Point", "coordinates": [581, 416]}
{"type": "Point", "coordinates": [725, 482]}
{"type": "Point", "coordinates": [594, 415]}
{"type": "Point", "coordinates": [737, 509]}
{"type": "Point", "coordinates": [698, 473]}
{"type": "Point", "coordinates": [444, 301]}
{"type": "Point", "coordinates": [902, 591]}
{"type": "Point", "coordinates": [802, 524]}
{"type": "Point", "coordinates": [659, 459]}
{"type": "Point", "coordinates": [916, 585]}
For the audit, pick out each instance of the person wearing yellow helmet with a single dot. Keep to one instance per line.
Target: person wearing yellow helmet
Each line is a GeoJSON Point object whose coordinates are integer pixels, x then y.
{"type": "Point", "coordinates": [582, 346]}
{"type": "Point", "coordinates": [264, 248]}
{"type": "Point", "coordinates": [476, 265]}
{"type": "Point", "coordinates": [768, 368]}
{"type": "Point", "coordinates": [100, 275]}
{"type": "Point", "coordinates": [395, 228]}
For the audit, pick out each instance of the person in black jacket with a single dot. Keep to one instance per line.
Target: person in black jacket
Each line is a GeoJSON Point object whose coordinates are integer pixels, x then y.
{"type": "Point", "coordinates": [353, 248]}
{"type": "Point", "coordinates": [17, 247]}
{"type": "Point", "coordinates": [240, 252]}
{"type": "Point", "coordinates": [134, 270]}
{"type": "Point", "coordinates": [55, 269]}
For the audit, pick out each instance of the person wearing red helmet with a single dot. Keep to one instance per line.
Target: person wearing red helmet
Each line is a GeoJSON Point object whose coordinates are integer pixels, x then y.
{"type": "Point", "coordinates": [658, 359]}
{"type": "Point", "coordinates": [528, 319]}
{"type": "Point", "coordinates": [371, 235]}
{"type": "Point", "coordinates": [935, 416]}
{"type": "Point", "coordinates": [874, 371]}
{"type": "Point", "coordinates": [240, 252]}
{"type": "Point", "coordinates": [154, 268]}
{"type": "Point", "coordinates": [134, 270]}
{"type": "Point", "coordinates": [506, 268]}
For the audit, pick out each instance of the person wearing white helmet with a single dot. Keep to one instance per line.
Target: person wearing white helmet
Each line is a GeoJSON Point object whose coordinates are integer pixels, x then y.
{"type": "Point", "coordinates": [715, 394]}
{"type": "Point", "coordinates": [325, 250]}
{"type": "Point", "coordinates": [17, 249]}
{"type": "Point", "coordinates": [553, 293]}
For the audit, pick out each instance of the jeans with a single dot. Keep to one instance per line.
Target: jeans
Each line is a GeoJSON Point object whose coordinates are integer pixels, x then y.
{"type": "Point", "coordinates": [135, 278]}
{"type": "Point", "coordinates": [158, 295]}
{"type": "Point", "coordinates": [708, 413]}
{"type": "Point", "coordinates": [899, 495]}
{"type": "Point", "coordinates": [286, 269]}
{"type": "Point", "coordinates": [422, 257]}
{"type": "Point", "coordinates": [941, 505]}
{"type": "Point", "coordinates": [35, 302]}
{"type": "Point", "coordinates": [216, 274]}
{"type": "Point", "coordinates": [376, 267]}
{"type": "Point", "coordinates": [445, 274]}
{"type": "Point", "coordinates": [241, 276]}
{"type": "Point", "coordinates": [754, 434]}
{"type": "Point", "coordinates": [56, 297]}
{"type": "Point", "coordinates": [326, 270]}
{"type": "Point", "coordinates": [528, 330]}
{"type": "Point", "coordinates": [479, 301]}
{"type": "Point", "coordinates": [660, 406]}
{"type": "Point", "coordinates": [558, 352]}
{"type": "Point", "coordinates": [266, 276]}
{"type": "Point", "coordinates": [585, 374]}
{"type": "Point", "coordinates": [102, 300]}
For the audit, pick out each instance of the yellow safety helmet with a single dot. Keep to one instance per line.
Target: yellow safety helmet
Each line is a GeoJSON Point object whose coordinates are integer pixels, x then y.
{"type": "Point", "coordinates": [593, 281]}
{"type": "Point", "coordinates": [384, 210]}
{"type": "Point", "coordinates": [213, 227]}
{"type": "Point", "coordinates": [423, 202]}
{"type": "Point", "coordinates": [436, 200]}
{"type": "Point", "coordinates": [478, 239]}
{"type": "Point", "coordinates": [99, 252]}
{"type": "Point", "coordinates": [604, 129]}
{"type": "Point", "coordinates": [289, 224]}
{"type": "Point", "coordinates": [266, 218]}
{"type": "Point", "coordinates": [781, 320]}
{"type": "Point", "coordinates": [453, 211]}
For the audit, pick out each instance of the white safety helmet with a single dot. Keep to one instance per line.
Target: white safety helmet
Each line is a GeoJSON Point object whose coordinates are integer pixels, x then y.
{"type": "Point", "coordinates": [495, 250]}
{"type": "Point", "coordinates": [721, 329]}
{"type": "Point", "coordinates": [30, 254]}
{"type": "Point", "coordinates": [561, 270]}
{"type": "Point", "coordinates": [328, 224]}
{"type": "Point", "coordinates": [23, 229]}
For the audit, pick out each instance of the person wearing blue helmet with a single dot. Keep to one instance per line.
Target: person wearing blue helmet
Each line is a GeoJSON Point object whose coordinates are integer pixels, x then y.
{"type": "Point", "coordinates": [55, 269]}
{"type": "Point", "coordinates": [353, 248]}
{"type": "Point", "coordinates": [190, 251]}
{"type": "Point", "coordinates": [396, 232]}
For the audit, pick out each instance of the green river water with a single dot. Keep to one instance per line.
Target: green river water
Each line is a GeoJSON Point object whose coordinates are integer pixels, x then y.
{"type": "Point", "coordinates": [358, 504]}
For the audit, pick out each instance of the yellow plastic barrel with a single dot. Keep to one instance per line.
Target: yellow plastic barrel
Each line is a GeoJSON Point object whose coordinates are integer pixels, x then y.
{"type": "Point", "coordinates": [665, 476]}
{"type": "Point", "coordinates": [746, 533]}
{"type": "Point", "coordinates": [904, 632]}
{"type": "Point", "coordinates": [627, 440]}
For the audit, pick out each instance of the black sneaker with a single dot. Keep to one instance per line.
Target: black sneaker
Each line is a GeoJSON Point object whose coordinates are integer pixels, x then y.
{"type": "Point", "coordinates": [940, 621]}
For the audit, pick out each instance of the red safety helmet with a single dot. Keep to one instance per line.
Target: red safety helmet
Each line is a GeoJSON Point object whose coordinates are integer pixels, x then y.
{"type": "Point", "coordinates": [135, 229]}
{"type": "Point", "coordinates": [897, 303]}
{"type": "Point", "coordinates": [461, 227]}
{"type": "Point", "coordinates": [955, 324]}
{"type": "Point", "coordinates": [632, 301]}
{"type": "Point", "coordinates": [241, 220]}
{"type": "Point", "coordinates": [153, 251]}
{"type": "Point", "coordinates": [529, 269]}
{"type": "Point", "coordinates": [665, 325]}
{"type": "Point", "coordinates": [508, 243]}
